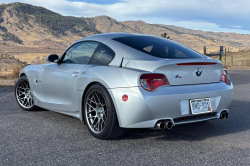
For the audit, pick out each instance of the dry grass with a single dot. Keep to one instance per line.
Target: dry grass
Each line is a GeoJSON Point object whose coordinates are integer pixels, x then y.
{"type": "Point", "coordinates": [11, 74]}
{"type": "Point", "coordinates": [16, 70]}
{"type": "Point", "coordinates": [237, 59]}
{"type": "Point", "coordinates": [6, 76]}
{"type": "Point", "coordinates": [29, 57]}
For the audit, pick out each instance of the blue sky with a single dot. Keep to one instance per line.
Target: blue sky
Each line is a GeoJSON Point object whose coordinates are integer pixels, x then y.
{"type": "Point", "coordinates": [207, 15]}
{"type": "Point", "coordinates": [96, 1]}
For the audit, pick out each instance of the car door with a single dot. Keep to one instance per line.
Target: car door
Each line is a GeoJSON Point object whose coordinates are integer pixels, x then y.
{"type": "Point", "coordinates": [60, 80]}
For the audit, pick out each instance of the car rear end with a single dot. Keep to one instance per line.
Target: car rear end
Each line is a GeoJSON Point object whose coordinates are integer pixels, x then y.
{"type": "Point", "coordinates": [186, 97]}
{"type": "Point", "coordinates": [181, 86]}
{"type": "Point", "coordinates": [163, 96]}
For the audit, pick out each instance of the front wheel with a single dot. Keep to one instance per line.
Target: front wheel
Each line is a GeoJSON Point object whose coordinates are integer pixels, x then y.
{"type": "Point", "coordinates": [23, 94]}
{"type": "Point", "coordinates": [100, 114]}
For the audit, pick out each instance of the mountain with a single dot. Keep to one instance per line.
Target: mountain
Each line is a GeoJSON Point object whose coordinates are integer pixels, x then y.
{"type": "Point", "coordinates": [31, 26]}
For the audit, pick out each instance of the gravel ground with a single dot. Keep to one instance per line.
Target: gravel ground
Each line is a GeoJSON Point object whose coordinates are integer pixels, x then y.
{"type": "Point", "coordinates": [48, 138]}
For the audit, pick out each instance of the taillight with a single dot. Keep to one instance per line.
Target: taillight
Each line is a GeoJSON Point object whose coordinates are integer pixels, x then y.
{"type": "Point", "coordinates": [152, 81]}
{"type": "Point", "coordinates": [224, 77]}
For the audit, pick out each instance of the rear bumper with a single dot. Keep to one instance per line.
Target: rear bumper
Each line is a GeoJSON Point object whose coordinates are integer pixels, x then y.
{"type": "Point", "coordinates": [143, 109]}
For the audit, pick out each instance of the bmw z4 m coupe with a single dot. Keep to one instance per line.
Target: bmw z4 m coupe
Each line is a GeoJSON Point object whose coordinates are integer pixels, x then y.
{"type": "Point", "coordinates": [118, 81]}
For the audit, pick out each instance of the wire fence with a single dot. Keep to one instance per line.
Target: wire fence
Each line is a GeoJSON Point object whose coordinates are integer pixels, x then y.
{"type": "Point", "coordinates": [238, 60]}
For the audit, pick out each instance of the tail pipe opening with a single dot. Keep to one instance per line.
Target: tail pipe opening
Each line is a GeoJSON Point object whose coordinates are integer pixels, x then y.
{"type": "Point", "coordinates": [160, 125]}
{"type": "Point", "coordinates": [169, 124]}
{"type": "Point", "coordinates": [223, 115]}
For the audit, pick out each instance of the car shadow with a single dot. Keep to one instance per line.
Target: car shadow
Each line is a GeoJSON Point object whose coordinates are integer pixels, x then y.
{"type": "Point", "coordinates": [238, 121]}
{"type": "Point", "coordinates": [39, 109]}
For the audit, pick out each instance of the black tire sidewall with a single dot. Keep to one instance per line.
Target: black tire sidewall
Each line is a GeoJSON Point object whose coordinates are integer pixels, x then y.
{"type": "Point", "coordinates": [111, 117]}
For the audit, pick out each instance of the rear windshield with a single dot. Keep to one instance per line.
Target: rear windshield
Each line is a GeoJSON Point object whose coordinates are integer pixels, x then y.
{"type": "Point", "coordinates": [159, 47]}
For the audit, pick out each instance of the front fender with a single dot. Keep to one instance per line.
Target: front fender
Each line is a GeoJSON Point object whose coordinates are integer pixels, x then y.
{"type": "Point", "coordinates": [33, 73]}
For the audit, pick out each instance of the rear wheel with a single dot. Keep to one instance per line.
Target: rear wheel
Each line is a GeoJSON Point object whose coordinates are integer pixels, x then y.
{"type": "Point", "coordinates": [100, 114]}
{"type": "Point", "coordinates": [23, 94]}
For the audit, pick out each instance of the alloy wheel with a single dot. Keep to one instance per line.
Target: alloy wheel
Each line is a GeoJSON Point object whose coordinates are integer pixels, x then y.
{"type": "Point", "coordinates": [23, 94]}
{"type": "Point", "coordinates": [96, 111]}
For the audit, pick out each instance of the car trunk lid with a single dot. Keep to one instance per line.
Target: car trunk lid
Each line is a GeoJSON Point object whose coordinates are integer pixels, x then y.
{"type": "Point", "coordinates": [184, 71]}
{"type": "Point", "coordinates": [191, 73]}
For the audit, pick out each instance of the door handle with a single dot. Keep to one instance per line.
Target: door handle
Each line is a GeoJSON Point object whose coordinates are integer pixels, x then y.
{"type": "Point", "coordinates": [75, 74]}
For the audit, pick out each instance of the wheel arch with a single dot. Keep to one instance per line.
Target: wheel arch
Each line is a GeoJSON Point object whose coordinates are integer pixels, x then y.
{"type": "Point", "coordinates": [22, 74]}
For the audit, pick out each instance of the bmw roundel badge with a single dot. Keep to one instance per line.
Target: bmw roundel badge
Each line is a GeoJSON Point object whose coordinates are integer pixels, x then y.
{"type": "Point", "coordinates": [198, 72]}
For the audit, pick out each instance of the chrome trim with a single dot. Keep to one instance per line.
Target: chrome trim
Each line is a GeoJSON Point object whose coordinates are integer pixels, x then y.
{"type": "Point", "coordinates": [75, 74]}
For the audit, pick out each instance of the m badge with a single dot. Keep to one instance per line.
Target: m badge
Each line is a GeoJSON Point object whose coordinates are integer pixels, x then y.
{"type": "Point", "coordinates": [178, 76]}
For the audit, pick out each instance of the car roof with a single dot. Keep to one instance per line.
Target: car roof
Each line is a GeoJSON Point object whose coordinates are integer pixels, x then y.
{"type": "Point", "coordinates": [103, 37]}
{"type": "Point", "coordinates": [111, 35]}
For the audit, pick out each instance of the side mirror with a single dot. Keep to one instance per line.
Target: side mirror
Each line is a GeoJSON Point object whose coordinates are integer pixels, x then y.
{"type": "Point", "coordinates": [52, 58]}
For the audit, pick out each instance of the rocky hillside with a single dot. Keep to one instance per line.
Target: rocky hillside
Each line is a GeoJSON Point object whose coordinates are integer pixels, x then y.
{"type": "Point", "coordinates": [32, 26]}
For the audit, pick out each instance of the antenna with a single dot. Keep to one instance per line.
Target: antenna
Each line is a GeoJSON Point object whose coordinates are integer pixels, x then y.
{"type": "Point", "coordinates": [121, 62]}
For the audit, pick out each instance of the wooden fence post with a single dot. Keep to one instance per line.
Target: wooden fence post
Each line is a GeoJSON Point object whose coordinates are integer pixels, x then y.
{"type": "Point", "coordinates": [221, 52]}
{"type": "Point", "coordinates": [204, 50]}
{"type": "Point", "coordinates": [225, 56]}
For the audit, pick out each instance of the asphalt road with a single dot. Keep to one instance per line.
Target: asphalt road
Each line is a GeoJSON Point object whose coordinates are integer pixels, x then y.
{"type": "Point", "coordinates": [48, 138]}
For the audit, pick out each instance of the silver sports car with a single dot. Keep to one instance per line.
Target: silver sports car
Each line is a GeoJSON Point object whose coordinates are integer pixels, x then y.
{"type": "Point", "coordinates": [118, 81]}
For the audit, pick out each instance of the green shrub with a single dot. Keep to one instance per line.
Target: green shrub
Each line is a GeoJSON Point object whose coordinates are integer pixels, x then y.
{"type": "Point", "coordinates": [9, 36]}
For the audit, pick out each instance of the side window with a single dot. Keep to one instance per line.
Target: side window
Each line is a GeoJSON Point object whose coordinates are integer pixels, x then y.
{"type": "Point", "coordinates": [103, 55]}
{"type": "Point", "coordinates": [80, 53]}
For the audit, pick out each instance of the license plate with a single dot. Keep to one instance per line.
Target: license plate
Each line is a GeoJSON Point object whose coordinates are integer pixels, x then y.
{"type": "Point", "coordinates": [199, 106]}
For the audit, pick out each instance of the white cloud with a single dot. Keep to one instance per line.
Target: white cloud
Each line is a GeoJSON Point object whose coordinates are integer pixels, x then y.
{"type": "Point", "coordinates": [237, 26]}
{"type": "Point", "coordinates": [215, 15]}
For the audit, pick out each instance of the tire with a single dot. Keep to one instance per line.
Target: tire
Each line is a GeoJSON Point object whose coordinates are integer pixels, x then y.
{"type": "Point", "coordinates": [100, 114]}
{"type": "Point", "coordinates": [22, 90]}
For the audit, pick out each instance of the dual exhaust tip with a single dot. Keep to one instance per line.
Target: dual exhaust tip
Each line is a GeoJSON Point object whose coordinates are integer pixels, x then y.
{"type": "Point", "coordinates": [168, 124]}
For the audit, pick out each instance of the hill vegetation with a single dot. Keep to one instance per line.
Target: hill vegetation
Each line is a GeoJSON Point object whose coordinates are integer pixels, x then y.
{"type": "Point", "coordinates": [9, 36]}
{"type": "Point", "coordinates": [56, 23]}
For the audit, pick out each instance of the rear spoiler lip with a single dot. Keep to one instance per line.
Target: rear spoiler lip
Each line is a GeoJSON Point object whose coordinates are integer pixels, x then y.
{"type": "Point", "coordinates": [153, 65]}
{"type": "Point", "coordinates": [196, 63]}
